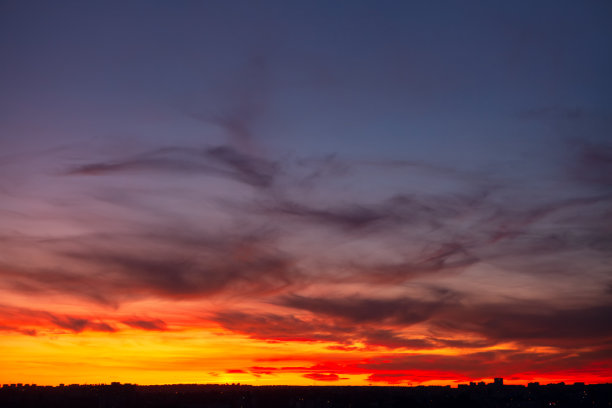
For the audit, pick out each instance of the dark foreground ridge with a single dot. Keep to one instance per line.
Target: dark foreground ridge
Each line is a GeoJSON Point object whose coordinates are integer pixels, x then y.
{"type": "Point", "coordinates": [480, 395]}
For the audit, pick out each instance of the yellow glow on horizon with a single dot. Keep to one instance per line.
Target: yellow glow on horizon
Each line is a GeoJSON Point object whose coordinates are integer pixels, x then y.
{"type": "Point", "coordinates": [208, 354]}
{"type": "Point", "coordinates": [136, 356]}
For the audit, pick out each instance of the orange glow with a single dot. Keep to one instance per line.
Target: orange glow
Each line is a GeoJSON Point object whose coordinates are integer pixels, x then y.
{"type": "Point", "coordinates": [182, 344]}
{"type": "Point", "coordinates": [215, 355]}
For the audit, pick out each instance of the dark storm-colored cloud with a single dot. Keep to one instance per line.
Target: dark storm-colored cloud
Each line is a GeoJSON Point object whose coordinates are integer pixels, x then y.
{"type": "Point", "coordinates": [204, 264]}
{"type": "Point", "coordinates": [391, 339]}
{"type": "Point", "coordinates": [202, 271]}
{"type": "Point", "coordinates": [245, 268]}
{"type": "Point", "coordinates": [283, 328]}
{"type": "Point", "coordinates": [492, 221]}
{"type": "Point", "coordinates": [531, 323]}
{"type": "Point", "coordinates": [379, 322]}
{"type": "Point", "coordinates": [251, 267]}
{"type": "Point", "coordinates": [446, 233]}
{"type": "Point", "coordinates": [191, 267]}
{"type": "Point", "coordinates": [398, 311]}
{"type": "Point", "coordinates": [93, 288]}
{"type": "Point", "coordinates": [153, 325]}
{"type": "Point", "coordinates": [276, 327]}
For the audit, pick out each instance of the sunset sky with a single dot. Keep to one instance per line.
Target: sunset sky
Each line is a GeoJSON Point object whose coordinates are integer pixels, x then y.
{"type": "Point", "coordinates": [305, 192]}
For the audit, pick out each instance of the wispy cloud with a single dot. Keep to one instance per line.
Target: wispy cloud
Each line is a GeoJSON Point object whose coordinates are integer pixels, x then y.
{"type": "Point", "coordinates": [34, 318]}
{"type": "Point", "coordinates": [324, 377]}
{"type": "Point", "coordinates": [220, 161]}
{"type": "Point", "coordinates": [154, 325]}
{"type": "Point", "coordinates": [593, 164]}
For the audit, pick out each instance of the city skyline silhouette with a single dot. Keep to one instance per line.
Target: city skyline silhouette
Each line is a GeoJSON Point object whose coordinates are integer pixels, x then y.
{"type": "Point", "coordinates": [313, 193]}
